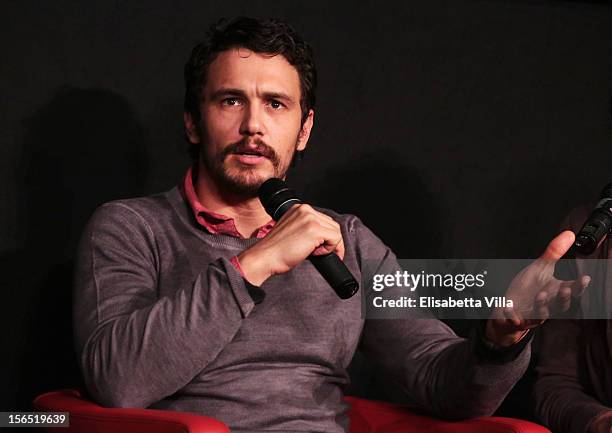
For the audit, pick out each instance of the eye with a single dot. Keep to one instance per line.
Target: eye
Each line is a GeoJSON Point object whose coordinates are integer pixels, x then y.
{"type": "Point", "coordinates": [232, 102]}
{"type": "Point", "coordinates": [277, 105]}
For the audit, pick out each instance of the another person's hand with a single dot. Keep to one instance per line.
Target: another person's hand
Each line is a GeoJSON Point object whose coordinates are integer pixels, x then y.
{"type": "Point", "coordinates": [302, 231]}
{"type": "Point", "coordinates": [536, 295]}
{"type": "Point", "coordinates": [602, 423]}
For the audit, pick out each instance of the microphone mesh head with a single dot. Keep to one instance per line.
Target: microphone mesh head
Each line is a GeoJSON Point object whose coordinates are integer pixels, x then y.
{"type": "Point", "coordinates": [273, 194]}
{"type": "Point", "coordinates": [269, 188]}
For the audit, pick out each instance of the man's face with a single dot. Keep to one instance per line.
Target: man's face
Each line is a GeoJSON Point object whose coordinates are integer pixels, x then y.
{"type": "Point", "coordinates": [250, 125]}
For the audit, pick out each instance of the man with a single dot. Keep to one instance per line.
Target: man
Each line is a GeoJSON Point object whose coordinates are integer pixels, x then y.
{"type": "Point", "coordinates": [573, 390]}
{"type": "Point", "coordinates": [194, 300]}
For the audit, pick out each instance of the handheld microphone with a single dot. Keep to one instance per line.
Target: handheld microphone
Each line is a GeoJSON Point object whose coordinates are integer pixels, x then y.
{"type": "Point", "coordinates": [597, 225]}
{"type": "Point", "coordinates": [277, 198]}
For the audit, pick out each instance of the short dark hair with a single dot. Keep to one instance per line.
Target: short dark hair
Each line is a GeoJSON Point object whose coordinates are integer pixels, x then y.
{"type": "Point", "coordinates": [264, 36]}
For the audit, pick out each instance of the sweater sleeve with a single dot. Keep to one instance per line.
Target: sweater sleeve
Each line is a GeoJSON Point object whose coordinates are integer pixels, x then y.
{"type": "Point", "coordinates": [438, 371]}
{"type": "Point", "coordinates": [135, 347]}
{"type": "Point", "coordinates": [562, 403]}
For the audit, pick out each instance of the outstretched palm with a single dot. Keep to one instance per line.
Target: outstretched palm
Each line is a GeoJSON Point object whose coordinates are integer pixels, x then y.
{"type": "Point", "coordinates": [536, 293]}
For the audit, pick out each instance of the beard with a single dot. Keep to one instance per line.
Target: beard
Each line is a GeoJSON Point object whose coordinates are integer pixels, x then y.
{"type": "Point", "coordinates": [240, 179]}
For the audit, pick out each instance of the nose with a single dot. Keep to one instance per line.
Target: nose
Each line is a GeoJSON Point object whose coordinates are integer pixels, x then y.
{"type": "Point", "coordinates": [252, 121]}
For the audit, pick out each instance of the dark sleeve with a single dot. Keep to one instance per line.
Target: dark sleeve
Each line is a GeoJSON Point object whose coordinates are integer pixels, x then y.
{"type": "Point", "coordinates": [562, 403]}
{"type": "Point", "coordinates": [445, 375]}
{"type": "Point", "coordinates": [135, 347]}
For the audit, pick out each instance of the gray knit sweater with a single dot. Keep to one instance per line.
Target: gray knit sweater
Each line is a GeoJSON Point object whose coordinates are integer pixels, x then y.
{"type": "Point", "coordinates": [162, 319]}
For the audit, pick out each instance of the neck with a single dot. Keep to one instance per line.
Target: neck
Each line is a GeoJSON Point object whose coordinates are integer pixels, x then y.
{"type": "Point", "coordinates": [247, 212]}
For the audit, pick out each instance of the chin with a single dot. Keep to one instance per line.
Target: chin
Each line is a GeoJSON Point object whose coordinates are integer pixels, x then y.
{"type": "Point", "coordinates": [245, 180]}
{"type": "Point", "coordinates": [246, 183]}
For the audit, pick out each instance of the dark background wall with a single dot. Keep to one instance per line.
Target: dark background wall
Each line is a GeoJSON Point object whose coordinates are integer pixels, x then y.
{"type": "Point", "coordinates": [453, 129]}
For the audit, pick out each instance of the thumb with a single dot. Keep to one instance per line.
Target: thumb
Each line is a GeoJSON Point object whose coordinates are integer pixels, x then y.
{"type": "Point", "coordinates": [559, 246]}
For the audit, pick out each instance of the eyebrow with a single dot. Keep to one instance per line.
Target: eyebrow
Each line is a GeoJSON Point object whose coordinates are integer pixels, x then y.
{"type": "Point", "coordinates": [228, 91]}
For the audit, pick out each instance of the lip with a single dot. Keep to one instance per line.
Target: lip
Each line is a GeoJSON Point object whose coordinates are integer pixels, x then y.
{"type": "Point", "coordinates": [249, 159]}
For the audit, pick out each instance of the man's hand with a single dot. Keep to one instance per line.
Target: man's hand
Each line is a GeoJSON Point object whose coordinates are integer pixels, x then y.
{"type": "Point", "coordinates": [302, 231]}
{"type": "Point", "coordinates": [536, 295]}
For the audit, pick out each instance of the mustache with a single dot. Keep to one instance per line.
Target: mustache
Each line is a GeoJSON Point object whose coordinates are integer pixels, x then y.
{"type": "Point", "coordinates": [256, 145]}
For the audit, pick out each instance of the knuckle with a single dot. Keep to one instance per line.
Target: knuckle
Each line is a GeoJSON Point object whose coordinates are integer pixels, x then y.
{"type": "Point", "coordinates": [309, 219]}
{"type": "Point", "coordinates": [306, 208]}
{"type": "Point", "coordinates": [311, 226]}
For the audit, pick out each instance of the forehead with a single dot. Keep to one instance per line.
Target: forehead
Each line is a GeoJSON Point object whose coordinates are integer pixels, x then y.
{"type": "Point", "coordinates": [241, 68]}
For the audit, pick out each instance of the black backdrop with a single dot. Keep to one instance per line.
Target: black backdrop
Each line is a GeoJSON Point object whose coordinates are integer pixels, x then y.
{"type": "Point", "coordinates": [453, 129]}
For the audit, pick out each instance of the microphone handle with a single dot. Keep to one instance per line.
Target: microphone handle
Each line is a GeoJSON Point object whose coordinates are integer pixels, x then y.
{"type": "Point", "coordinates": [329, 265]}
{"type": "Point", "coordinates": [336, 274]}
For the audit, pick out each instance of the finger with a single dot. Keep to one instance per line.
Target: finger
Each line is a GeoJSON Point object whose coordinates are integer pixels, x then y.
{"type": "Point", "coordinates": [512, 316]}
{"type": "Point", "coordinates": [336, 233]}
{"type": "Point", "coordinates": [340, 249]}
{"type": "Point", "coordinates": [567, 291]}
{"type": "Point", "coordinates": [321, 251]}
{"type": "Point", "coordinates": [326, 247]}
{"type": "Point", "coordinates": [564, 299]}
{"type": "Point", "coordinates": [540, 306]}
{"type": "Point", "coordinates": [559, 246]}
{"type": "Point", "coordinates": [307, 209]}
{"type": "Point", "coordinates": [579, 285]}
{"type": "Point", "coordinates": [308, 213]}
{"type": "Point", "coordinates": [329, 240]}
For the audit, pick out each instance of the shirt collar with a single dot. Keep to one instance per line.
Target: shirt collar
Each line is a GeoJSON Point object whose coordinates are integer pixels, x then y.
{"type": "Point", "coordinates": [213, 222]}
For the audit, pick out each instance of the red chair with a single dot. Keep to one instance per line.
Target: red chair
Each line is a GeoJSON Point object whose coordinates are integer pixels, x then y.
{"type": "Point", "coordinates": [366, 416]}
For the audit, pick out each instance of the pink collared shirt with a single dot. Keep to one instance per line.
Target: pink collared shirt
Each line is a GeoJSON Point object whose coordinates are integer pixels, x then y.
{"type": "Point", "coordinates": [213, 222]}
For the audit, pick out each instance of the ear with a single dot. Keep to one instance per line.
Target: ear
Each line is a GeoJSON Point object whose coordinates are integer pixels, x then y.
{"type": "Point", "coordinates": [191, 130]}
{"type": "Point", "coordinates": [304, 134]}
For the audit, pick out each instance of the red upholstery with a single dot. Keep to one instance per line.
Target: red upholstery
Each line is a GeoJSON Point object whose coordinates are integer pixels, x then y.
{"type": "Point", "coordinates": [89, 417]}
{"type": "Point", "coordinates": [369, 416]}
{"type": "Point", "coordinates": [366, 417]}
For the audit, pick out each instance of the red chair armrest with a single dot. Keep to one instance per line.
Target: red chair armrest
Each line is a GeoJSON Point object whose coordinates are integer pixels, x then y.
{"type": "Point", "coordinates": [368, 416]}
{"type": "Point", "coordinates": [88, 417]}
